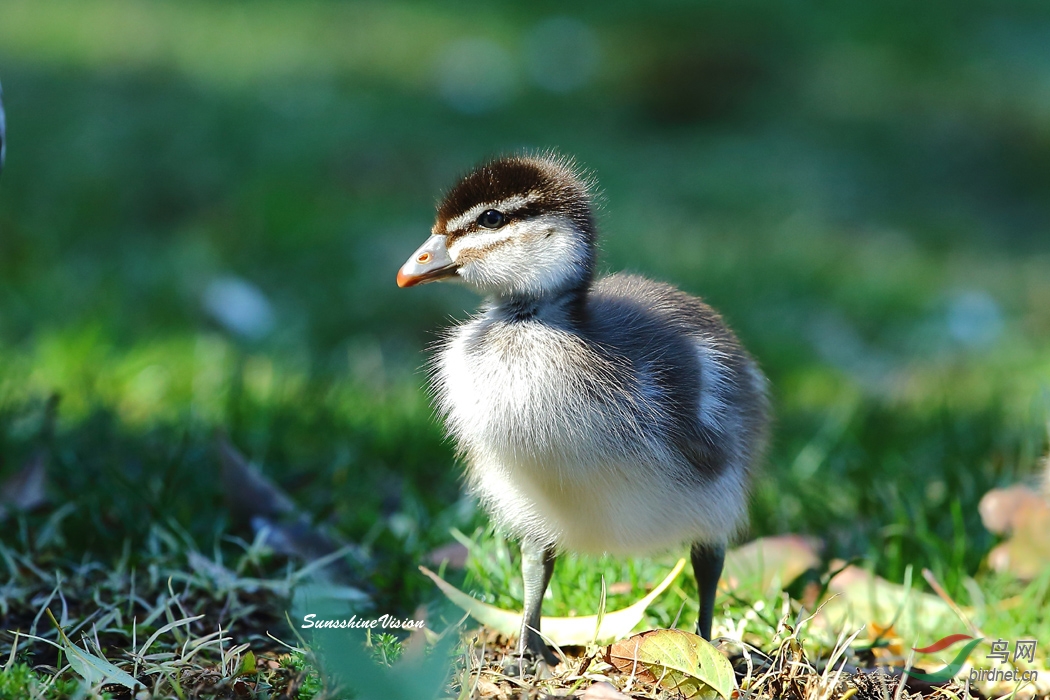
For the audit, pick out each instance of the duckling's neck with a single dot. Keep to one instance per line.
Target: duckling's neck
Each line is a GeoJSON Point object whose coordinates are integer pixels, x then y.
{"type": "Point", "coordinates": [563, 306]}
{"type": "Point", "coordinates": [563, 300]}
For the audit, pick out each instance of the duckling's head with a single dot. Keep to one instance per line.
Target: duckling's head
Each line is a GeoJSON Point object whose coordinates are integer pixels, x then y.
{"type": "Point", "coordinates": [518, 226]}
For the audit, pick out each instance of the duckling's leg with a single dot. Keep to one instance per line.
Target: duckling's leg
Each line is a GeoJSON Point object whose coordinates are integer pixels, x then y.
{"type": "Point", "coordinates": [707, 567]}
{"type": "Point", "coordinates": [537, 565]}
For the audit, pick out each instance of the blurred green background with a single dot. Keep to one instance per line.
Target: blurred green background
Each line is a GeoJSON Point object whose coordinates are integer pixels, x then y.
{"type": "Point", "coordinates": [205, 205]}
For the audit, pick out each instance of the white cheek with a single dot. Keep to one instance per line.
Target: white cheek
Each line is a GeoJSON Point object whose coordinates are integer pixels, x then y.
{"type": "Point", "coordinates": [534, 256]}
{"type": "Point", "coordinates": [476, 241]}
{"type": "Point", "coordinates": [552, 262]}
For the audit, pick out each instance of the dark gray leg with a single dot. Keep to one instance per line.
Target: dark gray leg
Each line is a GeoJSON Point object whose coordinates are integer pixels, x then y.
{"type": "Point", "coordinates": [707, 567]}
{"type": "Point", "coordinates": [537, 565]}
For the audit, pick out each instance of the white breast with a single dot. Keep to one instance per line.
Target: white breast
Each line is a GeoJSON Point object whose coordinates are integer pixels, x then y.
{"type": "Point", "coordinates": [564, 448]}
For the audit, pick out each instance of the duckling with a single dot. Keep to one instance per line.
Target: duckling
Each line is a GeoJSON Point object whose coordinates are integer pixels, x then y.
{"type": "Point", "coordinates": [615, 415]}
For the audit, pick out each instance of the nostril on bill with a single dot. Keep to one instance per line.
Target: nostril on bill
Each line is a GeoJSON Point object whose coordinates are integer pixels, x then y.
{"type": "Point", "coordinates": [423, 258]}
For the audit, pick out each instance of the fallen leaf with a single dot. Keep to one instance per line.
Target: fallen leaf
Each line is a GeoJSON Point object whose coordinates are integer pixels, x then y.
{"type": "Point", "coordinates": [454, 553]}
{"type": "Point", "coordinates": [247, 491]}
{"type": "Point", "coordinates": [999, 557]}
{"type": "Point", "coordinates": [299, 538]}
{"type": "Point", "coordinates": [486, 689]}
{"type": "Point", "coordinates": [1001, 509]}
{"type": "Point", "coordinates": [273, 516]}
{"type": "Point", "coordinates": [562, 631]}
{"type": "Point", "coordinates": [603, 691]}
{"type": "Point", "coordinates": [25, 489]}
{"type": "Point", "coordinates": [754, 568]}
{"type": "Point", "coordinates": [861, 598]}
{"type": "Point", "coordinates": [676, 660]}
{"type": "Point", "coordinates": [93, 669]}
{"type": "Point", "coordinates": [1026, 553]}
{"type": "Point", "coordinates": [1023, 516]}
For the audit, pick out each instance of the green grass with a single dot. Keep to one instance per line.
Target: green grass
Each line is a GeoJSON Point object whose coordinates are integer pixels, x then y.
{"type": "Point", "coordinates": [844, 185]}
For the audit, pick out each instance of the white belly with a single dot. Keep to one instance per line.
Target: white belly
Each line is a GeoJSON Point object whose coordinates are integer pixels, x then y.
{"type": "Point", "coordinates": [628, 510]}
{"type": "Point", "coordinates": [560, 453]}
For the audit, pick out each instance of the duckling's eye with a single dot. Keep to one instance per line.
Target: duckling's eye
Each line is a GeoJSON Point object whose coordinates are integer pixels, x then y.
{"type": "Point", "coordinates": [492, 219]}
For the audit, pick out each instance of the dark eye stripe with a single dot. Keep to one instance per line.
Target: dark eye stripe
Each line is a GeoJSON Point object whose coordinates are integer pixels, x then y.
{"type": "Point", "coordinates": [522, 213]}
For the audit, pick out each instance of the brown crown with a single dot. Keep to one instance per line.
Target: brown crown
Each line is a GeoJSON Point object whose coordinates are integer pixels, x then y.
{"type": "Point", "coordinates": [558, 187]}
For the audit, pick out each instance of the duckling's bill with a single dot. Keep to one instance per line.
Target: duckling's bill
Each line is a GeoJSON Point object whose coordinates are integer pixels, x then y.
{"type": "Point", "coordinates": [429, 263]}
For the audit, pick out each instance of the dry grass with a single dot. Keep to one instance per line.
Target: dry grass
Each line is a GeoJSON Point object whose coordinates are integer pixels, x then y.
{"type": "Point", "coordinates": [846, 671]}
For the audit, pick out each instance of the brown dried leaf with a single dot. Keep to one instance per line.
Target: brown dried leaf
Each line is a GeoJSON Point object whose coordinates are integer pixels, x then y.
{"type": "Point", "coordinates": [603, 691]}
{"type": "Point", "coordinates": [454, 553]}
{"type": "Point", "coordinates": [1001, 508]}
{"type": "Point", "coordinates": [1023, 516]}
{"type": "Point", "coordinates": [757, 565]}
{"type": "Point", "coordinates": [1027, 553]}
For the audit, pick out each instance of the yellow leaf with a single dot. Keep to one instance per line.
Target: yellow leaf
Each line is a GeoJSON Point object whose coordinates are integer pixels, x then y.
{"type": "Point", "coordinates": [560, 630]}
